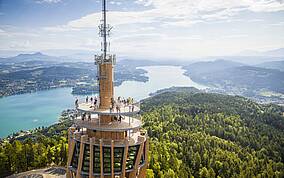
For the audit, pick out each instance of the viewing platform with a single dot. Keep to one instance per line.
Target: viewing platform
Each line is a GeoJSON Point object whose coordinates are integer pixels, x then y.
{"type": "Point", "coordinates": [126, 123]}
{"type": "Point", "coordinates": [124, 109]}
{"type": "Point", "coordinates": [135, 138]}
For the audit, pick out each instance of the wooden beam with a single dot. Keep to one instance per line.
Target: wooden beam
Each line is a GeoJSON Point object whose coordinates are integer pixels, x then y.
{"type": "Point", "coordinates": [101, 158]}
{"type": "Point", "coordinates": [112, 159]}
{"type": "Point", "coordinates": [125, 156]}
{"type": "Point", "coordinates": [81, 154]}
{"type": "Point", "coordinates": [138, 158]}
{"type": "Point", "coordinates": [147, 151]}
{"type": "Point", "coordinates": [91, 168]}
{"type": "Point", "coordinates": [143, 170]}
{"type": "Point", "coordinates": [71, 146]}
{"type": "Point", "coordinates": [70, 152]}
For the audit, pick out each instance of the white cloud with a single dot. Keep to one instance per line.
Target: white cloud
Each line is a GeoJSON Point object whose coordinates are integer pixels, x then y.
{"type": "Point", "coordinates": [115, 18]}
{"type": "Point", "coordinates": [165, 28]}
{"type": "Point", "coordinates": [211, 5]}
{"type": "Point", "coordinates": [60, 28]}
{"type": "Point", "coordinates": [180, 12]}
{"type": "Point", "coordinates": [48, 1]}
{"type": "Point", "coordinates": [118, 3]}
{"type": "Point", "coordinates": [265, 5]}
{"type": "Point", "coordinates": [22, 45]}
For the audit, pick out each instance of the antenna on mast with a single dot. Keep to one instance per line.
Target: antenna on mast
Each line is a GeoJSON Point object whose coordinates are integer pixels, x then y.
{"type": "Point", "coordinates": [104, 30]}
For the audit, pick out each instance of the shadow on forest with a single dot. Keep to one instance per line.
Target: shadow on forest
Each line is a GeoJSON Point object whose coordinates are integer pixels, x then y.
{"type": "Point", "coordinates": [57, 171]}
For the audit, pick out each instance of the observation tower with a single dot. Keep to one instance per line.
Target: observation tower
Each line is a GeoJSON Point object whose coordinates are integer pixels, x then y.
{"type": "Point", "coordinates": [106, 140]}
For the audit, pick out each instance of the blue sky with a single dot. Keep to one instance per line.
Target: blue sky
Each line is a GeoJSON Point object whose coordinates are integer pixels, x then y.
{"type": "Point", "coordinates": [145, 28]}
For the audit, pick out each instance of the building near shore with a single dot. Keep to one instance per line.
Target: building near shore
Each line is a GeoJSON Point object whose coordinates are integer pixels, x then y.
{"type": "Point", "coordinates": [106, 140]}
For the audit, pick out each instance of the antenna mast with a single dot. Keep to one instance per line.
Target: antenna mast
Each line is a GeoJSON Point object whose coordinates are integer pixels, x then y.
{"type": "Point", "coordinates": [104, 30]}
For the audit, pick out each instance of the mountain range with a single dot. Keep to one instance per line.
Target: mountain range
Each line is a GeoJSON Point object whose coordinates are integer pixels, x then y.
{"type": "Point", "coordinates": [271, 53]}
{"type": "Point", "coordinates": [237, 78]}
{"type": "Point", "coordinates": [247, 57]}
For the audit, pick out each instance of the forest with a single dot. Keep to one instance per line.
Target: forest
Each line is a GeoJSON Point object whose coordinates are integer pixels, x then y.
{"type": "Point", "coordinates": [204, 135]}
{"type": "Point", "coordinates": [192, 134]}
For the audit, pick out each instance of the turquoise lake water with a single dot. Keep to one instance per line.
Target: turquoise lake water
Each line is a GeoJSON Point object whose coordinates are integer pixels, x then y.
{"type": "Point", "coordinates": [27, 111]}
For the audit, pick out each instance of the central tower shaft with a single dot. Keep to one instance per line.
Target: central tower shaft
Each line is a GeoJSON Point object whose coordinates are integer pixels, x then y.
{"type": "Point", "coordinates": [106, 84]}
{"type": "Point", "coordinates": [105, 64]}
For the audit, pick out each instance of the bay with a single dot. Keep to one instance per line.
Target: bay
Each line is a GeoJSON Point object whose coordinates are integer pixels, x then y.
{"type": "Point", "coordinates": [42, 108]}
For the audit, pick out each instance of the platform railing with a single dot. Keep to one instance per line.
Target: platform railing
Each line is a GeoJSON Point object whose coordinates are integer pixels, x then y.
{"type": "Point", "coordinates": [136, 138]}
{"type": "Point", "coordinates": [120, 123]}
{"type": "Point", "coordinates": [119, 107]}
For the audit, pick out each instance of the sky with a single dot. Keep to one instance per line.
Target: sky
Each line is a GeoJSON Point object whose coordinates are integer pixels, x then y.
{"type": "Point", "coordinates": [161, 29]}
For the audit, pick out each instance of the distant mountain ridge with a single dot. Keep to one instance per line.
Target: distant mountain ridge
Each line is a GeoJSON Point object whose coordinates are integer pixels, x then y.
{"type": "Point", "coordinates": [273, 53]}
{"type": "Point", "coordinates": [237, 78]}
{"type": "Point", "coordinates": [211, 66]}
{"type": "Point", "coordinates": [273, 65]}
{"type": "Point", "coordinates": [38, 56]}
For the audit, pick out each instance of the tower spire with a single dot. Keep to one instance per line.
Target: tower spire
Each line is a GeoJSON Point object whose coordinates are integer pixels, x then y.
{"type": "Point", "coordinates": [104, 30]}
{"type": "Point", "coordinates": [105, 27]}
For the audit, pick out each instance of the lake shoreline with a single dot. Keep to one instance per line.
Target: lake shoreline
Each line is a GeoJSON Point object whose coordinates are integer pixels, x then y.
{"type": "Point", "coordinates": [42, 108]}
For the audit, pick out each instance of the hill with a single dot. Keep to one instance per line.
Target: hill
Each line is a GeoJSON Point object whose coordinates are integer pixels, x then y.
{"type": "Point", "coordinates": [272, 65]}
{"type": "Point", "coordinates": [192, 134]}
{"type": "Point", "coordinates": [210, 66]}
{"type": "Point", "coordinates": [272, 53]}
{"type": "Point", "coordinates": [235, 78]}
{"type": "Point", "coordinates": [246, 77]}
{"type": "Point", "coordinates": [213, 135]}
{"type": "Point", "coordinates": [29, 57]}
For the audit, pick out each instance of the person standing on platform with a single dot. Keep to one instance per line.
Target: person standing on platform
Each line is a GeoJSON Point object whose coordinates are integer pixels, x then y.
{"type": "Point", "coordinates": [133, 108]}
{"type": "Point", "coordinates": [76, 103]}
{"type": "Point", "coordinates": [112, 104]}
{"type": "Point", "coordinates": [89, 117]}
{"type": "Point", "coordinates": [95, 103]}
{"type": "Point", "coordinates": [87, 99]}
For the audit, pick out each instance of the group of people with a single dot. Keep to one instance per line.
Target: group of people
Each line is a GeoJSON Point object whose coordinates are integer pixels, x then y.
{"type": "Point", "coordinates": [85, 116]}
{"type": "Point", "coordinates": [94, 102]}
{"type": "Point", "coordinates": [88, 117]}
{"type": "Point", "coordinates": [121, 102]}
{"type": "Point", "coordinates": [115, 104]}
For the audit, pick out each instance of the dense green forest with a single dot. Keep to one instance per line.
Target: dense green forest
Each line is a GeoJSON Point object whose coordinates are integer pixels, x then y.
{"type": "Point", "coordinates": [211, 135]}
{"type": "Point", "coordinates": [193, 134]}
{"type": "Point", "coordinates": [43, 147]}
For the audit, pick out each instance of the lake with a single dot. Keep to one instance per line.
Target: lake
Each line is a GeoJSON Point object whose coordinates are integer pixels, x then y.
{"type": "Point", "coordinates": [27, 111]}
